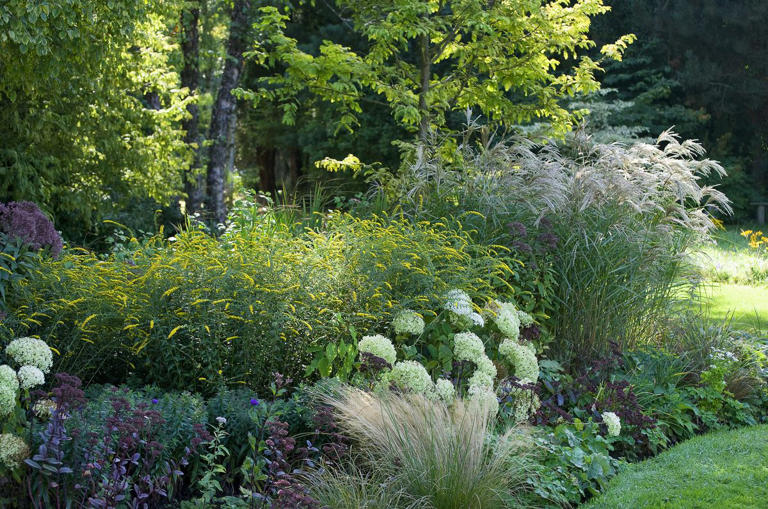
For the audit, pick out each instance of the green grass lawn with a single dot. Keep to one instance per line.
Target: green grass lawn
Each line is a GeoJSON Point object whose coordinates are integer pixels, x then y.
{"type": "Point", "coordinates": [745, 306]}
{"type": "Point", "coordinates": [730, 259]}
{"type": "Point", "coordinates": [719, 470]}
{"type": "Point", "coordinates": [736, 275]}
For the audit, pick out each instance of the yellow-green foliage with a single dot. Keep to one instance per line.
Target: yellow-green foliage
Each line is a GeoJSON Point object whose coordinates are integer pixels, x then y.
{"type": "Point", "coordinates": [200, 311]}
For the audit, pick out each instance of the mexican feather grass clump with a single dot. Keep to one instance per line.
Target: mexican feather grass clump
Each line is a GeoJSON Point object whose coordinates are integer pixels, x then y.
{"type": "Point", "coordinates": [624, 218]}
{"type": "Point", "coordinates": [426, 453]}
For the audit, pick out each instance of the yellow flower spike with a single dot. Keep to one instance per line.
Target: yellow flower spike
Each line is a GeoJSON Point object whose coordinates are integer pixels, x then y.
{"type": "Point", "coordinates": [746, 233]}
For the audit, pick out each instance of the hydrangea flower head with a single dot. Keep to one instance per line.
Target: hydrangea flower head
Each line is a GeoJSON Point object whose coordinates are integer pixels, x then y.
{"type": "Point", "coordinates": [13, 450]}
{"type": "Point", "coordinates": [485, 397]}
{"type": "Point", "coordinates": [457, 301]}
{"type": "Point", "coordinates": [30, 376]}
{"type": "Point", "coordinates": [523, 358]}
{"type": "Point", "coordinates": [462, 314]}
{"type": "Point", "coordinates": [7, 401]}
{"type": "Point", "coordinates": [412, 376]}
{"type": "Point", "coordinates": [8, 378]}
{"type": "Point", "coordinates": [526, 320]}
{"type": "Point", "coordinates": [445, 391]}
{"type": "Point", "coordinates": [408, 322]}
{"type": "Point", "coordinates": [44, 408]}
{"type": "Point", "coordinates": [486, 366]}
{"type": "Point", "coordinates": [613, 423]}
{"type": "Point", "coordinates": [480, 379]}
{"type": "Point", "coordinates": [525, 402]}
{"type": "Point", "coordinates": [379, 346]}
{"type": "Point", "coordinates": [9, 386]}
{"type": "Point", "coordinates": [468, 347]}
{"type": "Point", "coordinates": [31, 352]}
{"type": "Point", "coordinates": [507, 319]}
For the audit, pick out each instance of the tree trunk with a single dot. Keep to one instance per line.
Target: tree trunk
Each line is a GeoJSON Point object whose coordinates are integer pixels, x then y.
{"type": "Point", "coordinates": [190, 78]}
{"type": "Point", "coordinates": [224, 109]}
{"type": "Point", "coordinates": [425, 71]}
{"type": "Point", "coordinates": [266, 161]}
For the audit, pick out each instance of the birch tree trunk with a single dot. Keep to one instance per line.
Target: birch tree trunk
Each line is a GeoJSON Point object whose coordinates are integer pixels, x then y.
{"type": "Point", "coordinates": [194, 180]}
{"type": "Point", "coordinates": [225, 111]}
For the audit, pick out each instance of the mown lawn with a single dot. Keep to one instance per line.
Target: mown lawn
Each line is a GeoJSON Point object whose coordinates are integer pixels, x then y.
{"type": "Point", "coordinates": [720, 470]}
{"type": "Point", "coordinates": [745, 306]}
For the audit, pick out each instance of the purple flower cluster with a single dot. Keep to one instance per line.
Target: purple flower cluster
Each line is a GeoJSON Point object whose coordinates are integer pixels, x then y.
{"type": "Point", "coordinates": [24, 220]}
{"type": "Point", "coordinates": [527, 242]}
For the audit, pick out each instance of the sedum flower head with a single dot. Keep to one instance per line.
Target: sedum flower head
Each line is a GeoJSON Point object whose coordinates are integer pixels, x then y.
{"type": "Point", "coordinates": [445, 391]}
{"type": "Point", "coordinates": [468, 347]}
{"type": "Point", "coordinates": [507, 319]}
{"type": "Point", "coordinates": [412, 376]}
{"type": "Point", "coordinates": [13, 450]}
{"type": "Point", "coordinates": [30, 376]}
{"type": "Point", "coordinates": [408, 322]}
{"type": "Point", "coordinates": [523, 358]}
{"type": "Point", "coordinates": [613, 422]}
{"type": "Point", "coordinates": [379, 346]}
{"type": "Point", "coordinates": [31, 352]}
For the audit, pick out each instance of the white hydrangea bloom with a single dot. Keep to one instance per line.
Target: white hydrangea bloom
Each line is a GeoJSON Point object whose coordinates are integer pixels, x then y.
{"type": "Point", "coordinates": [30, 376]}
{"type": "Point", "coordinates": [525, 403]}
{"type": "Point", "coordinates": [467, 346]}
{"type": "Point", "coordinates": [445, 391]}
{"type": "Point", "coordinates": [31, 352]}
{"type": "Point", "coordinates": [44, 408]}
{"type": "Point", "coordinates": [480, 379]}
{"type": "Point", "coordinates": [457, 301]}
{"type": "Point", "coordinates": [13, 450]}
{"type": "Point", "coordinates": [412, 376]}
{"type": "Point", "coordinates": [379, 346]}
{"type": "Point", "coordinates": [7, 400]}
{"type": "Point", "coordinates": [523, 358]}
{"type": "Point", "coordinates": [8, 378]}
{"type": "Point", "coordinates": [613, 422]}
{"type": "Point", "coordinates": [485, 397]}
{"type": "Point", "coordinates": [486, 366]}
{"type": "Point", "coordinates": [477, 319]}
{"type": "Point", "coordinates": [408, 322]}
{"type": "Point", "coordinates": [507, 319]}
{"type": "Point", "coordinates": [526, 320]}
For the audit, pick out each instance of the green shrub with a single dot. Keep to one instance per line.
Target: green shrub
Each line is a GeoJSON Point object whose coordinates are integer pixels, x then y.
{"type": "Point", "coordinates": [197, 312]}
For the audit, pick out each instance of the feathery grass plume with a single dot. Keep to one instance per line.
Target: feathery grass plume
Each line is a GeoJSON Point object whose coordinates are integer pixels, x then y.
{"type": "Point", "coordinates": [444, 456]}
{"type": "Point", "coordinates": [624, 218]}
{"type": "Point", "coordinates": [351, 487]}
